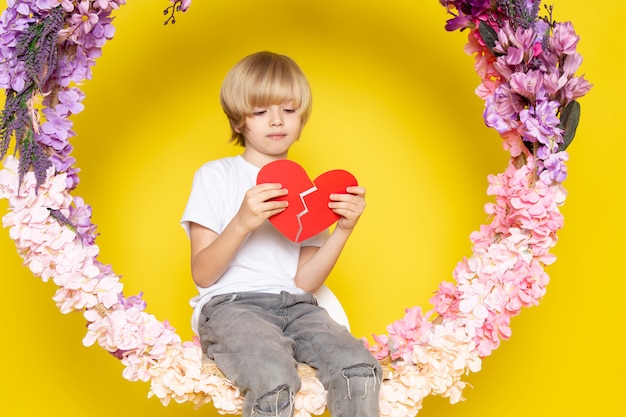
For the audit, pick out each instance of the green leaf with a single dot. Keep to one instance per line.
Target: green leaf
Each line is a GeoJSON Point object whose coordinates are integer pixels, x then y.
{"type": "Point", "coordinates": [569, 122]}
{"type": "Point", "coordinates": [489, 35]}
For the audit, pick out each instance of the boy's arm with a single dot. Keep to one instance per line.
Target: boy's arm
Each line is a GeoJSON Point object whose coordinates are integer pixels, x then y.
{"type": "Point", "coordinates": [316, 263]}
{"type": "Point", "coordinates": [211, 253]}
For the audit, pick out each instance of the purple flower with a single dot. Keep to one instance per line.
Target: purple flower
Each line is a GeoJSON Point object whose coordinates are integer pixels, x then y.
{"type": "Point", "coordinates": [57, 145]}
{"type": "Point", "coordinates": [44, 5]}
{"type": "Point", "coordinates": [553, 168]}
{"type": "Point", "coordinates": [469, 11]}
{"type": "Point", "coordinates": [541, 29]}
{"type": "Point", "coordinates": [86, 45]}
{"type": "Point", "coordinates": [17, 77]}
{"type": "Point", "coordinates": [65, 163]}
{"type": "Point", "coordinates": [108, 4]}
{"type": "Point", "coordinates": [77, 68]}
{"type": "Point", "coordinates": [56, 130]}
{"type": "Point", "coordinates": [80, 217]}
{"type": "Point", "coordinates": [5, 76]}
{"type": "Point", "coordinates": [14, 20]}
{"type": "Point", "coordinates": [458, 22]}
{"type": "Point", "coordinates": [106, 270]}
{"type": "Point", "coordinates": [102, 31]}
{"type": "Point", "coordinates": [502, 108]}
{"type": "Point", "coordinates": [22, 8]}
{"type": "Point", "coordinates": [133, 301]}
{"type": "Point", "coordinates": [473, 8]}
{"type": "Point", "coordinates": [70, 101]}
{"type": "Point", "coordinates": [540, 123]}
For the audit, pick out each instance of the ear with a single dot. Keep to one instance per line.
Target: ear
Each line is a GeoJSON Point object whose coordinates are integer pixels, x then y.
{"type": "Point", "coordinates": [233, 126]}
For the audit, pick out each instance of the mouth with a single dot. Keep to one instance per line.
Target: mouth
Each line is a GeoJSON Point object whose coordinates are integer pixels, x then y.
{"type": "Point", "coordinates": [277, 136]}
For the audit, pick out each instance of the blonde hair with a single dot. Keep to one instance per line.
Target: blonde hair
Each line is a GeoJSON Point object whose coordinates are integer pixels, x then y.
{"type": "Point", "coordinates": [262, 79]}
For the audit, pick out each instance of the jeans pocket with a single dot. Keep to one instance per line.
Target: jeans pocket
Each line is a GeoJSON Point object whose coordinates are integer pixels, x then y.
{"type": "Point", "coordinates": [209, 307]}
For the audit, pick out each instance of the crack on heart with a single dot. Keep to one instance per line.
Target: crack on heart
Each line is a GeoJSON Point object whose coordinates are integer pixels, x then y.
{"type": "Point", "coordinates": [304, 211]}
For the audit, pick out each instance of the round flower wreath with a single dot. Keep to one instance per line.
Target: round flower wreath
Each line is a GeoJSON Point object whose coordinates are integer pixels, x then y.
{"type": "Point", "coordinates": [527, 65]}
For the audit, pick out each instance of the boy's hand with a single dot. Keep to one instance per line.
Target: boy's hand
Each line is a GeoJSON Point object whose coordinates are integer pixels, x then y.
{"type": "Point", "coordinates": [349, 206]}
{"type": "Point", "coordinates": [257, 207]}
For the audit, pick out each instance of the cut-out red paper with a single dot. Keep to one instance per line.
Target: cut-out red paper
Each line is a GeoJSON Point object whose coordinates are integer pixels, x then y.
{"type": "Point", "coordinates": [308, 212]}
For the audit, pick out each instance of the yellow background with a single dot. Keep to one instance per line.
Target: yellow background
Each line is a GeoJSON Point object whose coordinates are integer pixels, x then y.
{"type": "Point", "coordinates": [394, 104]}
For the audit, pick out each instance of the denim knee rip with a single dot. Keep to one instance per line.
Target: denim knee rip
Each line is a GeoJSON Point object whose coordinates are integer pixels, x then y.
{"type": "Point", "coordinates": [363, 373]}
{"type": "Point", "coordinates": [276, 403]}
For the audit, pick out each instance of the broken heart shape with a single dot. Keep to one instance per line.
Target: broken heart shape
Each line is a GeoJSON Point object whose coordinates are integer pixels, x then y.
{"type": "Point", "coordinates": [308, 212]}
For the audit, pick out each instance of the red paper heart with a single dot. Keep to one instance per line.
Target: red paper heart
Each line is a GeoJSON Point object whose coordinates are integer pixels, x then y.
{"type": "Point", "coordinates": [308, 212]}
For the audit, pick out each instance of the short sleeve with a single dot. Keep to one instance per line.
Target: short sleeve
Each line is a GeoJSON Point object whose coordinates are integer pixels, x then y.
{"type": "Point", "coordinates": [203, 206]}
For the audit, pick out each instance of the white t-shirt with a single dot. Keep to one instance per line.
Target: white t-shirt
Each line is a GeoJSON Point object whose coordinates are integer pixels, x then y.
{"type": "Point", "coordinates": [267, 261]}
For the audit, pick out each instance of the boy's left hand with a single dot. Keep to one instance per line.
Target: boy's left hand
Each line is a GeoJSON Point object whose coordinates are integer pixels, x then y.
{"type": "Point", "coordinates": [349, 206]}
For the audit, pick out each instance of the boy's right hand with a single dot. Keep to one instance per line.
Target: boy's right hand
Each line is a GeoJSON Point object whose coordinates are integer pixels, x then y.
{"type": "Point", "coordinates": [258, 205]}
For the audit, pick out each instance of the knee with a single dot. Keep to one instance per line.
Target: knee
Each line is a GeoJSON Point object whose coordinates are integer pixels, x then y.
{"type": "Point", "coordinates": [362, 379]}
{"type": "Point", "coordinates": [276, 403]}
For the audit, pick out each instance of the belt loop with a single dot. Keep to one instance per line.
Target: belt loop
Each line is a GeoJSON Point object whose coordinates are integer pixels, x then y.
{"type": "Point", "coordinates": [284, 299]}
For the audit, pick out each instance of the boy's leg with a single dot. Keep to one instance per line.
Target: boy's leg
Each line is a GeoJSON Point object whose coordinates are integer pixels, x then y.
{"type": "Point", "coordinates": [345, 367]}
{"type": "Point", "coordinates": [242, 333]}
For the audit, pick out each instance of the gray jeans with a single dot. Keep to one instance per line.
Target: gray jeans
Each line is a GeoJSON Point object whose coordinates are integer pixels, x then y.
{"type": "Point", "coordinates": [257, 339]}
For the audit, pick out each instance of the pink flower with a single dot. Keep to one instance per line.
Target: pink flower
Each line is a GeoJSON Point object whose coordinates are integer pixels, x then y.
{"type": "Point", "coordinates": [512, 142]}
{"type": "Point", "coordinates": [527, 84]}
{"type": "Point", "coordinates": [515, 46]}
{"type": "Point", "coordinates": [576, 87]}
{"type": "Point", "coordinates": [380, 349]}
{"type": "Point", "coordinates": [553, 82]}
{"type": "Point", "coordinates": [571, 64]}
{"type": "Point", "coordinates": [85, 19]}
{"type": "Point", "coordinates": [446, 299]}
{"type": "Point", "coordinates": [488, 337]}
{"type": "Point", "coordinates": [311, 399]}
{"type": "Point", "coordinates": [403, 333]}
{"type": "Point", "coordinates": [184, 5]}
{"type": "Point", "coordinates": [564, 39]}
{"type": "Point", "coordinates": [107, 4]}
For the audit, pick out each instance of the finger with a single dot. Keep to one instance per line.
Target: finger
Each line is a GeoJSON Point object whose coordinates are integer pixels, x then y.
{"type": "Point", "coordinates": [268, 195]}
{"type": "Point", "coordinates": [345, 214]}
{"type": "Point", "coordinates": [356, 190]}
{"type": "Point", "coordinates": [275, 205]}
{"type": "Point", "coordinates": [342, 197]}
{"type": "Point", "coordinates": [274, 212]}
{"type": "Point", "coordinates": [263, 188]}
{"type": "Point", "coordinates": [353, 198]}
{"type": "Point", "coordinates": [354, 204]}
{"type": "Point", "coordinates": [264, 192]}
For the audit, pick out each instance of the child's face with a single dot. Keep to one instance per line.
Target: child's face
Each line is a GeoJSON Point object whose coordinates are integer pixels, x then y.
{"type": "Point", "coordinates": [271, 130]}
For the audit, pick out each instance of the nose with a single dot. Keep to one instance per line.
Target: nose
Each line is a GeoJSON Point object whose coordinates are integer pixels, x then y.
{"type": "Point", "coordinates": [276, 118]}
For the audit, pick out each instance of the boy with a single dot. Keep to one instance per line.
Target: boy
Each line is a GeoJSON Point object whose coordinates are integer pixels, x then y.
{"type": "Point", "coordinates": [255, 313]}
